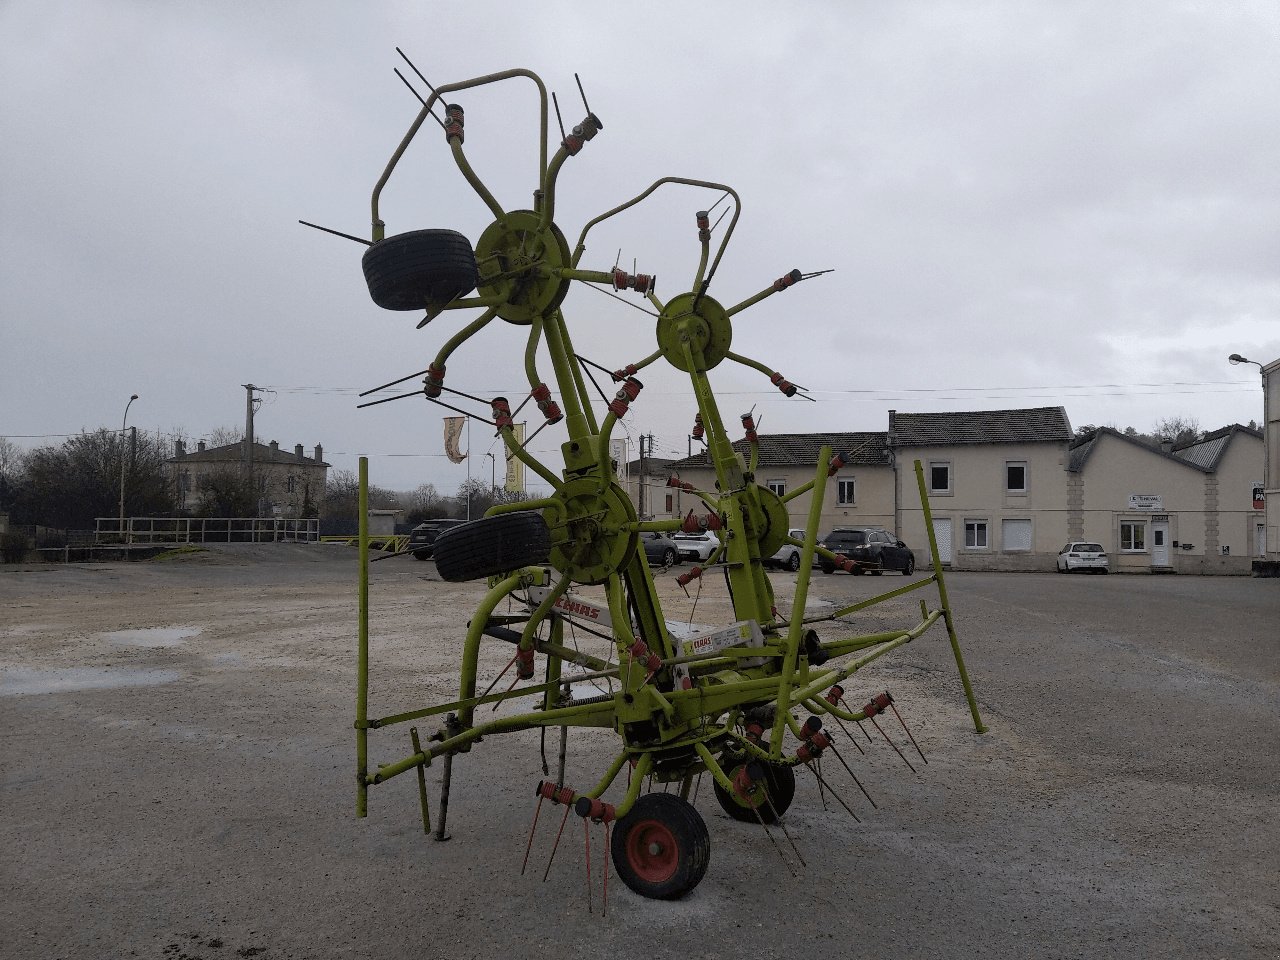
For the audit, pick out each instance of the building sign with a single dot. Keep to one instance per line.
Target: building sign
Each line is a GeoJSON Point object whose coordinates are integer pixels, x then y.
{"type": "Point", "coordinates": [1152, 502]}
{"type": "Point", "coordinates": [1259, 497]}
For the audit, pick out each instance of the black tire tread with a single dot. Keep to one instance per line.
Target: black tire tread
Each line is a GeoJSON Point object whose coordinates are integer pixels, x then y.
{"type": "Point", "coordinates": [415, 270]}
{"type": "Point", "coordinates": [492, 545]}
{"type": "Point", "coordinates": [690, 830]}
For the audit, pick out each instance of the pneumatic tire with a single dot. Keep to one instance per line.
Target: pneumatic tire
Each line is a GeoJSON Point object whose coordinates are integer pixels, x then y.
{"type": "Point", "coordinates": [419, 269]}
{"type": "Point", "coordinates": [661, 848]}
{"type": "Point", "coordinates": [779, 781]}
{"type": "Point", "coordinates": [492, 545]}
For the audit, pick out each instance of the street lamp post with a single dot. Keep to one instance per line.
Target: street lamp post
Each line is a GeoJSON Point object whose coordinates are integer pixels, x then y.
{"type": "Point", "coordinates": [1236, 359]}
{"type": "Point", "coordinates": [123, 422]}
{"type": "Point", "coordinates": [493, 473]}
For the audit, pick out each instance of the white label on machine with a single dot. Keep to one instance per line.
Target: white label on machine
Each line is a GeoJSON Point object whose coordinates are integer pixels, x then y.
{"type": "Point", "coordinates": [744, 633]}
{"type": "Point", "coordinates": [570, 605]}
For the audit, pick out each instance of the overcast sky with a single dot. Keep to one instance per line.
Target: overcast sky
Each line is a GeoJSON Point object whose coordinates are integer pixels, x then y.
{"type": "Point", "coordinates": [1025, 204]}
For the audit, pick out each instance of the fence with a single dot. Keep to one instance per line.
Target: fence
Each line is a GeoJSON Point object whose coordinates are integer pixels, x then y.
{"type": "Point", "coordinates": [147, 530]}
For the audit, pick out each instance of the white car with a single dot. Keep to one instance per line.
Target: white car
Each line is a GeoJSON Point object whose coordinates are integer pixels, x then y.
{"type": "Point", "coordinates": [696, 546]}
{"type": "Point", "coordinates": [788, 555]}
{"type": "Point", "coordinates": [1082, 556]}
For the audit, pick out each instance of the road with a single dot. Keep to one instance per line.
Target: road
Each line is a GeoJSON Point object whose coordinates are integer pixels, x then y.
{"type": "Point", "coordinates": [177, 780]}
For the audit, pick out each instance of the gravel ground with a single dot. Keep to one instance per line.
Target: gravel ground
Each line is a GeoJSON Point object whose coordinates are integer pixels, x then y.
{"type": "Point", "coordinates": [176, 779]}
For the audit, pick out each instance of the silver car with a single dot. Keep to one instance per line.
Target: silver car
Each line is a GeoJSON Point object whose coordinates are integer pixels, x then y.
{"type": "Point", "coordinates": [788, 555]}
{"type": "Point", "coordinates": [1082, 555]}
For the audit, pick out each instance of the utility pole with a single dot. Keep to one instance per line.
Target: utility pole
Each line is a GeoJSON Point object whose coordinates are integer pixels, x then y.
{"type": "Point", "coordinates": [249, 408]}
{"type": "Point", "coordinates": [643, 472]}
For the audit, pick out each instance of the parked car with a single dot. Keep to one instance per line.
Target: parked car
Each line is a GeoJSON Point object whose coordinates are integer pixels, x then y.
{"type": "Point", "coordinates": [1082, 556]}
{"type": "Point", "coordinates": [696, 546]}
{"type": "Point", "coordinates": [659, 548]}
{"type": "Point", "coordinates": [872, 549]}
{"type": "Point", "coordinates": [788, 555]}
{"type": "Point", "coordinates": [422, 538]}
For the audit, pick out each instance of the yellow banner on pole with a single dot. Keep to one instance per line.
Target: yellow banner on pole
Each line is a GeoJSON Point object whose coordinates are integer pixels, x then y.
{"type": "Point", "coordinates": [515, 466]}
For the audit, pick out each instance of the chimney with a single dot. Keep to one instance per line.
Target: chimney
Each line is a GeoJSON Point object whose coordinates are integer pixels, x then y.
{"type": "Point", "coordinates": [200, 446]}
{"type": "Point", "coordinates": [179, 449]}
{"type": "Point", "coordinates": [893, 428]}
{"type": "Point", "coordinates": [319, 454]}
{"type": "Point", "coordinates": [1166, 444]}
{"type": "Point", "coordinates": [297, 451]}
{"type": "Point", "coordinates": [275, 446]}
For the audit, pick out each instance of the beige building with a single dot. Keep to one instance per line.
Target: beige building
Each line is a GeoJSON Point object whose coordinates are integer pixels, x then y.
{"type": "Point", "coordinates": [1008, 488]}
{"type": "Point", "coordinates": [997, 483]}
{"type": "Point", "coordinates": [1271, 468]}
{"type": "Point", "coordinates": [287, 484]}
{"type": "Point", "coordinates": [1188, 508]}
{"type": "Point", "coordinates": [861, 492]}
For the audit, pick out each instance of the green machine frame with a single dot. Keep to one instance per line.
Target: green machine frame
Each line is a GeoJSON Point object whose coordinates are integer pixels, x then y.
{"type": "Point", "coordinates": [730, 712]}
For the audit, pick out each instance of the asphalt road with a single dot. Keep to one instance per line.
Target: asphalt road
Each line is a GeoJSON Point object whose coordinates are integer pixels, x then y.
{"type": "Point", "coordinates": [176, 780]}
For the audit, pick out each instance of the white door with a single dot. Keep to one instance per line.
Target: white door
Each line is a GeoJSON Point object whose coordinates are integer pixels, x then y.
{"type": "Point", "coordinates": [942, 533]}
{"type": "Point", "coordinates": [1159, 544]}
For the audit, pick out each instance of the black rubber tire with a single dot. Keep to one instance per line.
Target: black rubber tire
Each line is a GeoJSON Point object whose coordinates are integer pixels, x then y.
{"type": "Point", "coordinates": [422, 554]}
{"type": "Point", "coordinates": [669, 557]}
{"type": "Point", "coordinates": [661, 848]}
{"type": "Point", "coordinates": [793, 564]}
{"type": "Point", "coordinates": [492, 545]}
{"type": "Point", "coordinates": [909, 567]}
{"type": "Point", "coordinates": [780, 781]}
{"type": "Point", "coordinates": [828, 570]}
{"type": "Point", "coordinates": [419, 269]}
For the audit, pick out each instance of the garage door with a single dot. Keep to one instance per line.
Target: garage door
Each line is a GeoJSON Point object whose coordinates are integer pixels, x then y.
{"type": "Point", "coordinates": [942, 533]}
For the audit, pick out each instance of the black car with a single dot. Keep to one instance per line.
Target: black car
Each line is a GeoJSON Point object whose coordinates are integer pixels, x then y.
{"type": "Point", "coordinates": [659, 548]}
{"type": "Point", "coordinates": [423, 537]}
{"type": "Point", "coordinates": [870, 548]}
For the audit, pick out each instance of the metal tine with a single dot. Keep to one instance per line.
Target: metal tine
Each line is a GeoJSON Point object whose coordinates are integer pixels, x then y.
{"type": "Point", "coordinates": [821, 783]}
{"type": "Point", "coordinates": [556, 845]}
{"type": "Point", "coordinates": [892, 744]}
{"type": "Point", "coordinates": [908, 732]}
{"type": "Point", "coordinates": [424, 80]}
{"type": "Point", "coordinates": [529, 846]}
{"type": "Point", "coordinates": [847, 808]}
{"type": "Point", "coordinates": [860, 726]}
{"type": "Point", "coordinates": [586, 839]}
{"type": "Point", "coordinates": [848, 734]}
{"type": "Point", "coordinates": [853, 775]}
{"type": "Point", "coordinates": [777, 818]}
{"type": "Point", "coordinates": [774, 841]}
{"type": "Point", "coordinates": [604, 911]}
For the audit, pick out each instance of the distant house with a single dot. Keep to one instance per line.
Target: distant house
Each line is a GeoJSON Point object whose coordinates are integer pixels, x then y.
{"type": "Point", "coordinates": [287, 484]}
{"type": "Point", "coordinates": [1187, 508]}
{"type": "Point", "coordinates": [861, 493]}
{"type": "Point", "coordinates": [1008, 488]}
{"type": "Point", "coordinates": [997, 484]}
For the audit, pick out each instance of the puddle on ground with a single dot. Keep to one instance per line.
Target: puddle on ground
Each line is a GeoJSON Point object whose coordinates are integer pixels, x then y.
{"type": "Point", "coordinates": [152, 636]}
{"type": "Point", "coordinates": [19, 681]}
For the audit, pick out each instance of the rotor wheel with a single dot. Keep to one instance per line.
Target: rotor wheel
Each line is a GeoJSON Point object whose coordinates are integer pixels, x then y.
{"type": "Point", "coordinates": [661, 848]}
{"type": "Point", "coordinates": [419, 269]}
{"type": "Point", "coordinates": [492, 545]}
{"type": "Point", "coordinates": [769, 800]}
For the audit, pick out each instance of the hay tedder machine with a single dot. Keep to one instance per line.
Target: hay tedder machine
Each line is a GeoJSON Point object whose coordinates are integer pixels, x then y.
{"type": "Point", "coordinates": [746, 702]}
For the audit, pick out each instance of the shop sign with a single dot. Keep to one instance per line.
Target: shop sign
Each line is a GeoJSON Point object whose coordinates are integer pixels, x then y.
{"type": "Point", "coordinates": [1148, 502]}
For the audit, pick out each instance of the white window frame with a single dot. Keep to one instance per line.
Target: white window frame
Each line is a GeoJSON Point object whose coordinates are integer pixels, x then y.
{"type": "Point", "coordinates": [1004, 544]}
{"type": "Point", "coordinates": [1133, 525]}
{"type": "Point", "coordinates": [941, 491]}
{"type": "Point", "coordinates": [977, 525]}
{"type": "Point", "coordinates": [840, 491]}
{"type": "Point", "coordinates": [1026, 476]}
{"type": "Point", "coordinates": [778, 487]}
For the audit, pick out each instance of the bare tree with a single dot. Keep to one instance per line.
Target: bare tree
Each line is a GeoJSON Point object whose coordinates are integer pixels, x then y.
{"type": "Point", "coordinates": [1179, 429]}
